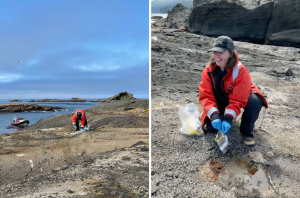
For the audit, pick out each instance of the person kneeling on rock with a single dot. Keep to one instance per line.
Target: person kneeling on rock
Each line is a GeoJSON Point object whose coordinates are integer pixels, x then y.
{"type": "Point", "coordinates": [79, 115]}
{"type": "Point", "coordinates": [225, 88]}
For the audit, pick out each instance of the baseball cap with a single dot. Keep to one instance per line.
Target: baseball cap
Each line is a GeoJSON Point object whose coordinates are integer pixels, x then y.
{"type": "Point", "coordinates": [222, 43]}
{"type": "Point", "coordinates": [78, 115]}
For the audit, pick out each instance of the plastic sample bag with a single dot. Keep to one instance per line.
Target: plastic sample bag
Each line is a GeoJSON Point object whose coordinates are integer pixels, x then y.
{"type": "Point", "coordinates": [190, 119]}
{"type": "Point", "coordinates": [222, 141]}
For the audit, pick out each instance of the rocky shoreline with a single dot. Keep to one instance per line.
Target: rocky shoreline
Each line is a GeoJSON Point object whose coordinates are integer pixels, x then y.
{"type": "Point", "coordinates": [49, 159]}
{"type": "Point", "coordinates": [193, 166]}
{"type": "Point", "coordinates": [25, 107]}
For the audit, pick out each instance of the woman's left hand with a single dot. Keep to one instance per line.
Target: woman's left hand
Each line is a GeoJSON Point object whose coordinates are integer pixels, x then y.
{"type": "Point", "coordinates": [225, 127]}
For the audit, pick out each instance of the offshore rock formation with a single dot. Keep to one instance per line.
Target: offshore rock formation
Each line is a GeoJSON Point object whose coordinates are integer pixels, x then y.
{"type": "Point", "coordinates": [24, 107]}
{"type": "Point", "coordinates": [15, 100]}
{"type": "Point", "coordinates": [55, 100]}
{"type": "Point", "coordinates": [124, 95]}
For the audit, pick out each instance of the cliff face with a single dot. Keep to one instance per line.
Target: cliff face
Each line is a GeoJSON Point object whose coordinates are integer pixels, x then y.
{"type": "Point", "coordinates": [231, 19]}
{"type": "Point", "coordinates": [284, 26]}
{"type": "Point", "coordinates": [273, 22]}
{"type": "Point", "coordinates": [244, 3]}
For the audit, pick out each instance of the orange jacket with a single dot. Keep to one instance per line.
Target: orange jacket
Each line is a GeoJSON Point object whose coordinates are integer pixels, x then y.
{"type": "Point", "coordinates": [82, 117]}
{"type": "Point", "coordinates": [236, 85]}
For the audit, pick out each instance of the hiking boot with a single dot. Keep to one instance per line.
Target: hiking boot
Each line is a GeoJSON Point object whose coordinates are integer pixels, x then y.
{"type": "Point", "coordinates": [249, 140]}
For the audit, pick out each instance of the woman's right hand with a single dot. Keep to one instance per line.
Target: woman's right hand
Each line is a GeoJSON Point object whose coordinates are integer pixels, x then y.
{"type": "Point", "coordinates": [217, 124]}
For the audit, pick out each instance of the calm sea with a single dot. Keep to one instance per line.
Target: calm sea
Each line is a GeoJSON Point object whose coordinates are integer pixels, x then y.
{"type": "Point", "coordinates": [68, 107]}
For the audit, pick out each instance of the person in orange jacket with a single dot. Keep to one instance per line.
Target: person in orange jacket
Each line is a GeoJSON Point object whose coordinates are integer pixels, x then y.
{"type": "Point", "coordinates": [79, 115]}
{"type": "Point", "coordinates": [225, 88]}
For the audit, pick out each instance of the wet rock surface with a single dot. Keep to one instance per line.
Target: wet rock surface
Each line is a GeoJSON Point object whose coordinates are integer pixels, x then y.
{"type": "Point", "coordinates": [180, 164]}
{"type": "Point", "coordinates": [56, 100]}
{"type": "Point", "coordinates": [50, 159]}
{"type": "Point", "coordinates": [25, 107]}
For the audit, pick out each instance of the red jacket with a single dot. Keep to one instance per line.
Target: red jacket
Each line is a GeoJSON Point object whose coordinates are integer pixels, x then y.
{"type": "Point", "coordinates": [237, 84]}
{"type": "Point", "coordinates": [82, 117]}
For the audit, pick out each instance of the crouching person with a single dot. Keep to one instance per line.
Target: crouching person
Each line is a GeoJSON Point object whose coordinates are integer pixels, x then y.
{"type": "Point", "coordinates": [79, 115]}
{"type": "Point", "coordinates": [225, 88]}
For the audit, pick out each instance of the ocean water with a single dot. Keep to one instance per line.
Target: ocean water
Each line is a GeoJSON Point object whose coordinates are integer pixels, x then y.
{"type": "Point", "coordinates": [68, 107]}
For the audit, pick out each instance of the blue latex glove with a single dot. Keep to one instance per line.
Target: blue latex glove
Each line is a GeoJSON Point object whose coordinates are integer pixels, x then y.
{"type": "Point", "coordinates": [217, 124]}
{"type": "Point", "coordinates": [74, 126]}
{"type": "Point", "coordinates": [81, 129]}
{"type": "Point", "coordinates": [225, 127]}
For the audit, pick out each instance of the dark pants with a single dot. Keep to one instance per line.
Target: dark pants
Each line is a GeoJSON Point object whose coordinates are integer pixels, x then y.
{"type": "Point", "coordinates": [250, 115]}
{"type": "Point", "coordinates": [77, 123]}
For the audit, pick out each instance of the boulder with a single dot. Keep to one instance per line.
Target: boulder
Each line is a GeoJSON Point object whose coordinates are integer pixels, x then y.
{"type": "Point", "coordinates": [284, 26]}
{"type": "Point", "coordinates": [289, 38]}
{"type": "Point", "coordinates": [156, 17]}
{"type": "Point", "coordinates": [177, 17]}
{"type": "Point", "coordinates": [231, 19]}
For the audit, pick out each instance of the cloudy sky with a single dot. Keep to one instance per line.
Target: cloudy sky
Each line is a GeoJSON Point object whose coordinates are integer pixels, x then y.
{"type": "Point", "coordinates": [73, 48]}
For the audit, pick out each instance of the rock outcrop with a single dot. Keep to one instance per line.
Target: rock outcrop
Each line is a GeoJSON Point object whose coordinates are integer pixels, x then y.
{"type": "Point", "coordinates": [55, 100]}
{"type": "Point", "coordinates": [284, 27]}
{"type": "Point", "coordinates": [245, 3]}
{"type": "Point", "coordinates": [273, 22]}
{"type": "Point", "coordinates": [231, 19]}
{"type": "Point", "coordinates": [178, 16]}
{"type": "Point", "coordinates": [15, 100]}
{"type": "Point", "coordinates": [24, 107]}
{"type": "Point", "coordinates": [124, 95]}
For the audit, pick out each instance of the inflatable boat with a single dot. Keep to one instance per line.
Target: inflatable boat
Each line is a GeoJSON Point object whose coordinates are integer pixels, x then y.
{"type": "Point", "coordinates": [20, 122]}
